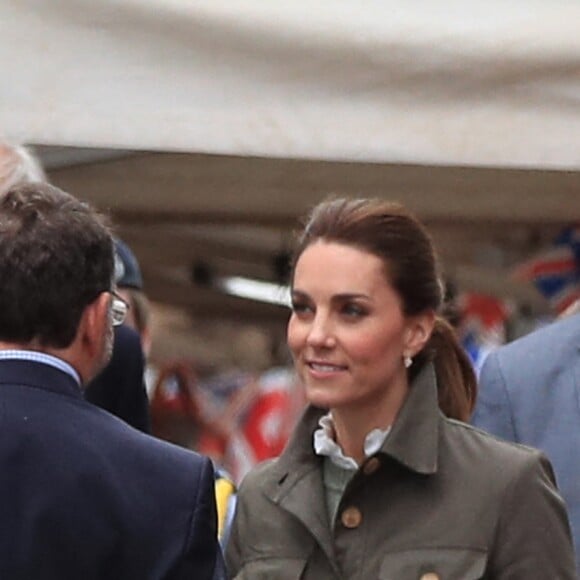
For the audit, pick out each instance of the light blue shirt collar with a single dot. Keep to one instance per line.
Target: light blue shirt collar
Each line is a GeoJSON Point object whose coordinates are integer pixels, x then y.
{"type": "Point", "coordinates": [43, 358]}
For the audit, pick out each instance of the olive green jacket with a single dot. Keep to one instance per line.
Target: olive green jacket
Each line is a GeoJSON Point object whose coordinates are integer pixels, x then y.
{"type": "Point", "coordinates": [439, 500]}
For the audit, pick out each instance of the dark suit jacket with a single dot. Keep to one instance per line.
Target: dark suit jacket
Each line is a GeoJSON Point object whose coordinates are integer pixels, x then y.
{"type": "Point", "coordinates": [85, 496]}
{"type": "Point", "coordinates": [120, 387]}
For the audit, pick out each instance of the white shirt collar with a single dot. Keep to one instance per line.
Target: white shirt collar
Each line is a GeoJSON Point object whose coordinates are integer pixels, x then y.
{"type": "Point", "coordinates": [324, 443]}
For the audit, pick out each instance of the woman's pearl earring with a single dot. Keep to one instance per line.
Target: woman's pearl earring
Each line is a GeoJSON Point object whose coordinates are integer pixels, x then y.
{"type": "Point", "coordinates": [408, 361]}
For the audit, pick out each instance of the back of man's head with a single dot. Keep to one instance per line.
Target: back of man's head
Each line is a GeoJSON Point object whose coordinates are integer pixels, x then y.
{"type": "Point", "coordinates": [56, 257]}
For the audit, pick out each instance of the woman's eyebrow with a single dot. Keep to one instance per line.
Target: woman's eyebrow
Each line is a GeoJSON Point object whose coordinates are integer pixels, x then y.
{"type": "Point", "coordinates": [299, 294]}
{"type": "Point", "coordinates": [343, 296]}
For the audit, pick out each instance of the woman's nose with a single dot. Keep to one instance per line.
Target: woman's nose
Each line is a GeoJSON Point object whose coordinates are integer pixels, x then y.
{"type": "Point", "coordinates": [320, 333]}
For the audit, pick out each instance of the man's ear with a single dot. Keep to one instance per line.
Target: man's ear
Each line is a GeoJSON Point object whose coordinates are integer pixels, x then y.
{"type": "Point", "coordinates": [94, 323]}
{"type": "Point", "coordinates": [418, 332]}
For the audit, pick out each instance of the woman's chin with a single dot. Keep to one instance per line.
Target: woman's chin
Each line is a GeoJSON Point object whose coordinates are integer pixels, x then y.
{"type": "Point", "coordinates": [322, 397]}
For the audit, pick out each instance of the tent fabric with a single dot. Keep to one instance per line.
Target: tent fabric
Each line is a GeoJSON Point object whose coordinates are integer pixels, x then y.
{"type": "Point", "coordinates": [462, 83]}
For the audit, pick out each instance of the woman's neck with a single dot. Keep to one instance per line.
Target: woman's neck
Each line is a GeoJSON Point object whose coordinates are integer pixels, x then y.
{"type": "Point", "coordinates": [352, 423]}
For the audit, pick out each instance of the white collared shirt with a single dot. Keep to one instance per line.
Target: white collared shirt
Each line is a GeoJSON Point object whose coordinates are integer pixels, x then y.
{"type": "Point", "coordinates": [338, 469]}
{"type": "Point", "coordinates": [324, 444]}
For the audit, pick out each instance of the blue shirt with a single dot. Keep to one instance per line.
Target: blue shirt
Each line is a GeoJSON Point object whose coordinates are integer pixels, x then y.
{"type": "Point", "coordinates": [43, 358]}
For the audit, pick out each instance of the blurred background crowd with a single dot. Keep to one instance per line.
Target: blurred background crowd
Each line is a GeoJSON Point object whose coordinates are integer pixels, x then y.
{"type": "Point", "coordinates": [218, 377]}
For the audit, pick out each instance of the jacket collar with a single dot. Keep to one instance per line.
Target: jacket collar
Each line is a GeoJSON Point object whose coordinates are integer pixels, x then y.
{"type": "Point", "coordinates": [296, 481]}
{"type": "Point", "coordinates": [413, 440]}
{"type": "Point", "coordinates": [38, 375]}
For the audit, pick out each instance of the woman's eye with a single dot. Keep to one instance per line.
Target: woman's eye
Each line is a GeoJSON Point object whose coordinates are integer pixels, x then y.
{"type": "Point", "coordinates": [353, 310]}
{"type": "Point", "coordinates": [300, 307]}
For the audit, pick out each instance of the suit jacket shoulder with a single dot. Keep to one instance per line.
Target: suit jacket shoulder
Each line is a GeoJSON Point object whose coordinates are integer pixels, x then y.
{"type": "Point", "coordinates": [539, 353]}
{"type": "Point", "coordinates": [92, 497]}
{"type": "Point", "coordinates": [531, 381]}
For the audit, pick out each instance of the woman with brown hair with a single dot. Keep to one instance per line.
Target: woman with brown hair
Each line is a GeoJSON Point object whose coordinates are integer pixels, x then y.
{"type": "Point", "coordinates": [381, 478]}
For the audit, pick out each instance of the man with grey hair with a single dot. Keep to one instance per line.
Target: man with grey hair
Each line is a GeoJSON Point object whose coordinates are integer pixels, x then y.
{"type": "Point", "coordinates": [18, 165]}
{"type": "Point", "coordinates": [85, 495]}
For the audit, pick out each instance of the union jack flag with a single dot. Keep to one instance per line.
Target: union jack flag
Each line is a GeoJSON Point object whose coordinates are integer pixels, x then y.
{"type": "Point", "coordinates": [556, 271]}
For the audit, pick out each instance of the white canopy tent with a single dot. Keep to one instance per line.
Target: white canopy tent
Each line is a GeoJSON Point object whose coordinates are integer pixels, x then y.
{"type": "Point", "coordinates": [456, 83]}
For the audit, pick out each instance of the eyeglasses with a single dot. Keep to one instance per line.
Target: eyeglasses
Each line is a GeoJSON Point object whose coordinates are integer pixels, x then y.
{"type": "Point", "coordinates": [119, 309]}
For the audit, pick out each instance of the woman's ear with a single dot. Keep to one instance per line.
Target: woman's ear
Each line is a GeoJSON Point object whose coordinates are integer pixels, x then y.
{"type": "Point", "coordinates": [418, 332]}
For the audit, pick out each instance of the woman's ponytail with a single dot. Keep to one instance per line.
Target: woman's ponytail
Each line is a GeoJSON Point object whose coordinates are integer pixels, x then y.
{"type": "Point", "coordinates": [456, 381]}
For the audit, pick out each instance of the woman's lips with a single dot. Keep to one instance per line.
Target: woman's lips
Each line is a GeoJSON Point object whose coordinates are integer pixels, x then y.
{"type": "Point", "coordinates": [325, 368]}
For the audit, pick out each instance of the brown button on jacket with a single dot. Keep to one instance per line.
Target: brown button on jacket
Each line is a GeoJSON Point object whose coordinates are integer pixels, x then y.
{"type": "Point", "coordinates": [445, 501]}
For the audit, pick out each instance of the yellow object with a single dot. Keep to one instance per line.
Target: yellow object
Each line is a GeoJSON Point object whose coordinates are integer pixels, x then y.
{"type": "Point", "coordinates": [224, 488]}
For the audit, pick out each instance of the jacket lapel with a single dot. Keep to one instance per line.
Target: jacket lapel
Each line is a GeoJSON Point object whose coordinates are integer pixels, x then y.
{"type": "Point", "coordinates": [298, 488]}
